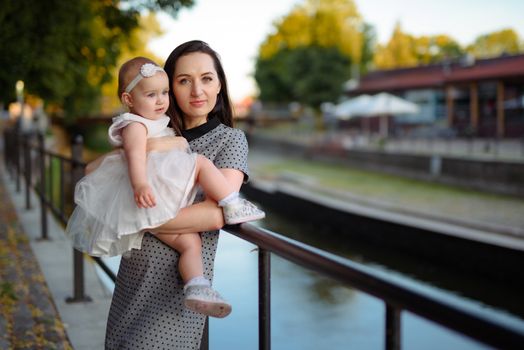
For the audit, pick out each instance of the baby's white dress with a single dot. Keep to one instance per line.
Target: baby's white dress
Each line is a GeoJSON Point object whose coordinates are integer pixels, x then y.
{"type": "Point", "coordinates": [106, 220]}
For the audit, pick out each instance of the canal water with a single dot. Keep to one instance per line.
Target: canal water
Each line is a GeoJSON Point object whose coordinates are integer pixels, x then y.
{"type": "Point", "coordinates": [310, 312]}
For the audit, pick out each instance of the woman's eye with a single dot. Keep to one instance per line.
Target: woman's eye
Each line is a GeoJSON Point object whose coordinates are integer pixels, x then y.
{"type": "Point", "coordinates": [184, 81]}
{"type": "Point", "coordinates": [207, 79]}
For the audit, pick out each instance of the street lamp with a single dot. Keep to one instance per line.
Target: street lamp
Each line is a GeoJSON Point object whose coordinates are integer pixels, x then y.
{"type": "Point", "coordinates": [19, 86]}
{"type": "Point", "coordinates": [20, 91]}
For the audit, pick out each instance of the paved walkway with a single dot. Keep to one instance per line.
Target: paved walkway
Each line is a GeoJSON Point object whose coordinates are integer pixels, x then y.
{"type": "Point", "coordinates": [36, 278]}
{"type": "Point", "coordinates": [30, 319]}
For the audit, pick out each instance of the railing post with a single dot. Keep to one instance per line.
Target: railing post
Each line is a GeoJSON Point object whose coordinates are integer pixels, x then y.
{"type": "Point", "coordinates": [392, 340]}
{"type": "Point", "coordinates": [7, 135]}
{"type": "Point", "coordinates": [43, 209]}
{"type": "Point", "coordinates": [264, 299]}
{"type": "Point", "coordinates": [8, 151]}
{"type": "Point", "coordinates": [18, 157]}
{"type": "Point", "coordinates": [27, 171]}
{"type": "Point", "coordinates": [77, 172]}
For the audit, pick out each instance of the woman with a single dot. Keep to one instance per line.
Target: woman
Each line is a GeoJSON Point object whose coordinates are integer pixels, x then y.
{"type": "Point", "coordinates": [147, 311]}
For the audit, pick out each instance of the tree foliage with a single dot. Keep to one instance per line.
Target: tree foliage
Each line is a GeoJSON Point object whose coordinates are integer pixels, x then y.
{"type": "Point", "coordinates": [65, 50]}
{"type": "Point", "coordinates": [326, 24]}
{"type": "Point", "coordinates": [398, 52]}
{"type": "Point", "coordinates": [323, 23]}
{"type": "Point", "coordinates": [505, 41]}
{"type": "Point", "coordinates": [406, 50]}
{"type": "Point", "coordinates": [310, 54]}
{"type": "Point", "coordinates": [436, 48]}
{"type": "Point", "coordinates": [307, 74]}
{"type": "Point", "coordinates": [136, 45]}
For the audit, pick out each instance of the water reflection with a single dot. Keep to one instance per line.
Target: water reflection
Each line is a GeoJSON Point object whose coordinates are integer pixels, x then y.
{"type": "Point", "coordinates": [506, 299]}
{"type": "Point", "coordinates": [309, 311]}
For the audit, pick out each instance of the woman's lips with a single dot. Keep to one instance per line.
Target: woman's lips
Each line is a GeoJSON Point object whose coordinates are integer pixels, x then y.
{"type": "Point", "coordinates": [198, 103]}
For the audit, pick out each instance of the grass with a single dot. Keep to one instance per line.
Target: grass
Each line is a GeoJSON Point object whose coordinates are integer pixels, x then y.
{"type": "Point", "coordinates": [404, 193]}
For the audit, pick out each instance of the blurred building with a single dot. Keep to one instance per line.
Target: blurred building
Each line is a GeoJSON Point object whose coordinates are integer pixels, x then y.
{"type": "Point", "coordinates": [483, 98]}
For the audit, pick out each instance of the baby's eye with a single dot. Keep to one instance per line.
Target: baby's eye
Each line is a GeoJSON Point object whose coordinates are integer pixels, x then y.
{"type": "Point", "coordinates": [151, 94]}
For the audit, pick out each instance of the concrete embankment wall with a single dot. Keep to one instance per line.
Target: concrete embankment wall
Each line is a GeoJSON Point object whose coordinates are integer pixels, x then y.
{"type": "Point", "coordinates": [494, 176]}
{"type": "Point", "coordinates": [458, 248]}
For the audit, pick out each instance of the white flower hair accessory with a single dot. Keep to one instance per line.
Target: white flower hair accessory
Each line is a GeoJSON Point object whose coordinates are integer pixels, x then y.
{"type": "Point", "coordinates": [146, 71]}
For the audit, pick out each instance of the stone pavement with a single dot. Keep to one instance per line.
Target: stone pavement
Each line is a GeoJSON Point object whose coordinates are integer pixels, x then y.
{"type": "Point", "coordinates": [36, 278]}
{"type": "Point", "coordinates": [30, 319]}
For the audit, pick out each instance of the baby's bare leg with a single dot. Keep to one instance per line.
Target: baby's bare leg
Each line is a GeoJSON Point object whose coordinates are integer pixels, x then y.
{"type": "Point", "coordinates": [212, 180]}
{"type": "Point", "coordinates": [190, 248]}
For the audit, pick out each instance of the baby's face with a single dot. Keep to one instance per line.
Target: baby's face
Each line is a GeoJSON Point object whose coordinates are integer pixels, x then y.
{"type": "Point", "coordinates": [150, 98]}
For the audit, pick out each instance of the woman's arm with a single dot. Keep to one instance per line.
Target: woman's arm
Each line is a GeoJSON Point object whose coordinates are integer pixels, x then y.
{"type": "Point", "coordinates": [203, 216]}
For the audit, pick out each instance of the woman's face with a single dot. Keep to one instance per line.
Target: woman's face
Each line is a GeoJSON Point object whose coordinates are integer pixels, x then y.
{"type": "Point", "coordinates": [195, 86]}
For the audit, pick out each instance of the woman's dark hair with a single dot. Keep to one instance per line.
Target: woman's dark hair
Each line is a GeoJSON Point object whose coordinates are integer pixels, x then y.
{"type": "Point", "coordinates": [223, 108]}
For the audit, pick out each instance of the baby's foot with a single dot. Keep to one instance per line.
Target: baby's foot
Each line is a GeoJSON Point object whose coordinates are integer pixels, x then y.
{"type": "Point", "coordinates": [207, 301]}
{"type": "Point", "coordinates": [241, 211]}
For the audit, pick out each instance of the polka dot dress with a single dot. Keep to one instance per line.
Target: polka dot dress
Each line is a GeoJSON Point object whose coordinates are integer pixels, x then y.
{"type": "Point", "coordinates": [147, 310]}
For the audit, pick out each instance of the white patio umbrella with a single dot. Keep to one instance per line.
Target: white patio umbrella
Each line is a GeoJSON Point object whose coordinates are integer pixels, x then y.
{"type": "Point", "coordinates": [385, 104]}
{"type": "Point", "coordinates": [352, 107]}
{"type": "Point", "coordinates": [382, 105]}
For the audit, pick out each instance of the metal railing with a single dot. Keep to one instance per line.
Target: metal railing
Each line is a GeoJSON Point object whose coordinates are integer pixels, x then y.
{"type": "Point", "coordinates": [397, 297]}
{"type": "Point", "coordinates": [27, 158]}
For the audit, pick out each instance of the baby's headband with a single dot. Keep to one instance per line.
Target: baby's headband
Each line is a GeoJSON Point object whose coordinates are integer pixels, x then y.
{"type": "Point", "coordinates": [147, 70]}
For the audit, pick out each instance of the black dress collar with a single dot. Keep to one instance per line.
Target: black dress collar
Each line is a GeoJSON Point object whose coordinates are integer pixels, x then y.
{"type": "Point", "coordinates": [196, 132]}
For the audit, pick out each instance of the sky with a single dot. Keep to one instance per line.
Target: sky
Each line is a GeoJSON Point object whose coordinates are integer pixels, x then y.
{"type": "Point", "coordinates": [236, 28]}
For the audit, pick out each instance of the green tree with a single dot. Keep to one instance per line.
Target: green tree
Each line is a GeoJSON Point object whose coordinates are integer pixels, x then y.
{"type": "Point", "coordinates": [307, 74]}
{"type": "Point", "coordinates": [369, 39]}
{"type": "Point", "coordinates": [65, 50]}
{"type": "Point", "coordinates": [318, 74]}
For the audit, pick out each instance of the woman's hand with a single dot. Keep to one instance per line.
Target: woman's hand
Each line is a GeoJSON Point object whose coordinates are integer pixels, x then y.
{"type": "Point", "coordinates": [166, 143]}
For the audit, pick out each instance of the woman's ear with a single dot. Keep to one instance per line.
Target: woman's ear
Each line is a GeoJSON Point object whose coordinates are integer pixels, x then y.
{"type": "Point", "coordinates": [127, 99]}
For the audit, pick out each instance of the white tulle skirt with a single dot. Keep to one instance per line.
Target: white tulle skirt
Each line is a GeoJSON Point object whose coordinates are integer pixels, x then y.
{"type": "Point", "coordinates": [106, 220]}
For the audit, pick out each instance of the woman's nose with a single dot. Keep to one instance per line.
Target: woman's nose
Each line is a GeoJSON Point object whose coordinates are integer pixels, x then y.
{"type": "Point", "coordinates": [196, 89]}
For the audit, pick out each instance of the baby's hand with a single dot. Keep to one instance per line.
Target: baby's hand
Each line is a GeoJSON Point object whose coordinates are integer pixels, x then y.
{"type": "Point", "coordinates": [144, 197]}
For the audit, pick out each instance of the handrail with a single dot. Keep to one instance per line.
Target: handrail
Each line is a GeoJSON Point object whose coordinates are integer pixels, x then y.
{"type": "Point", "coordinates": [397, 296]}
{"type": "Point", "coordinates": [393, 293]}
